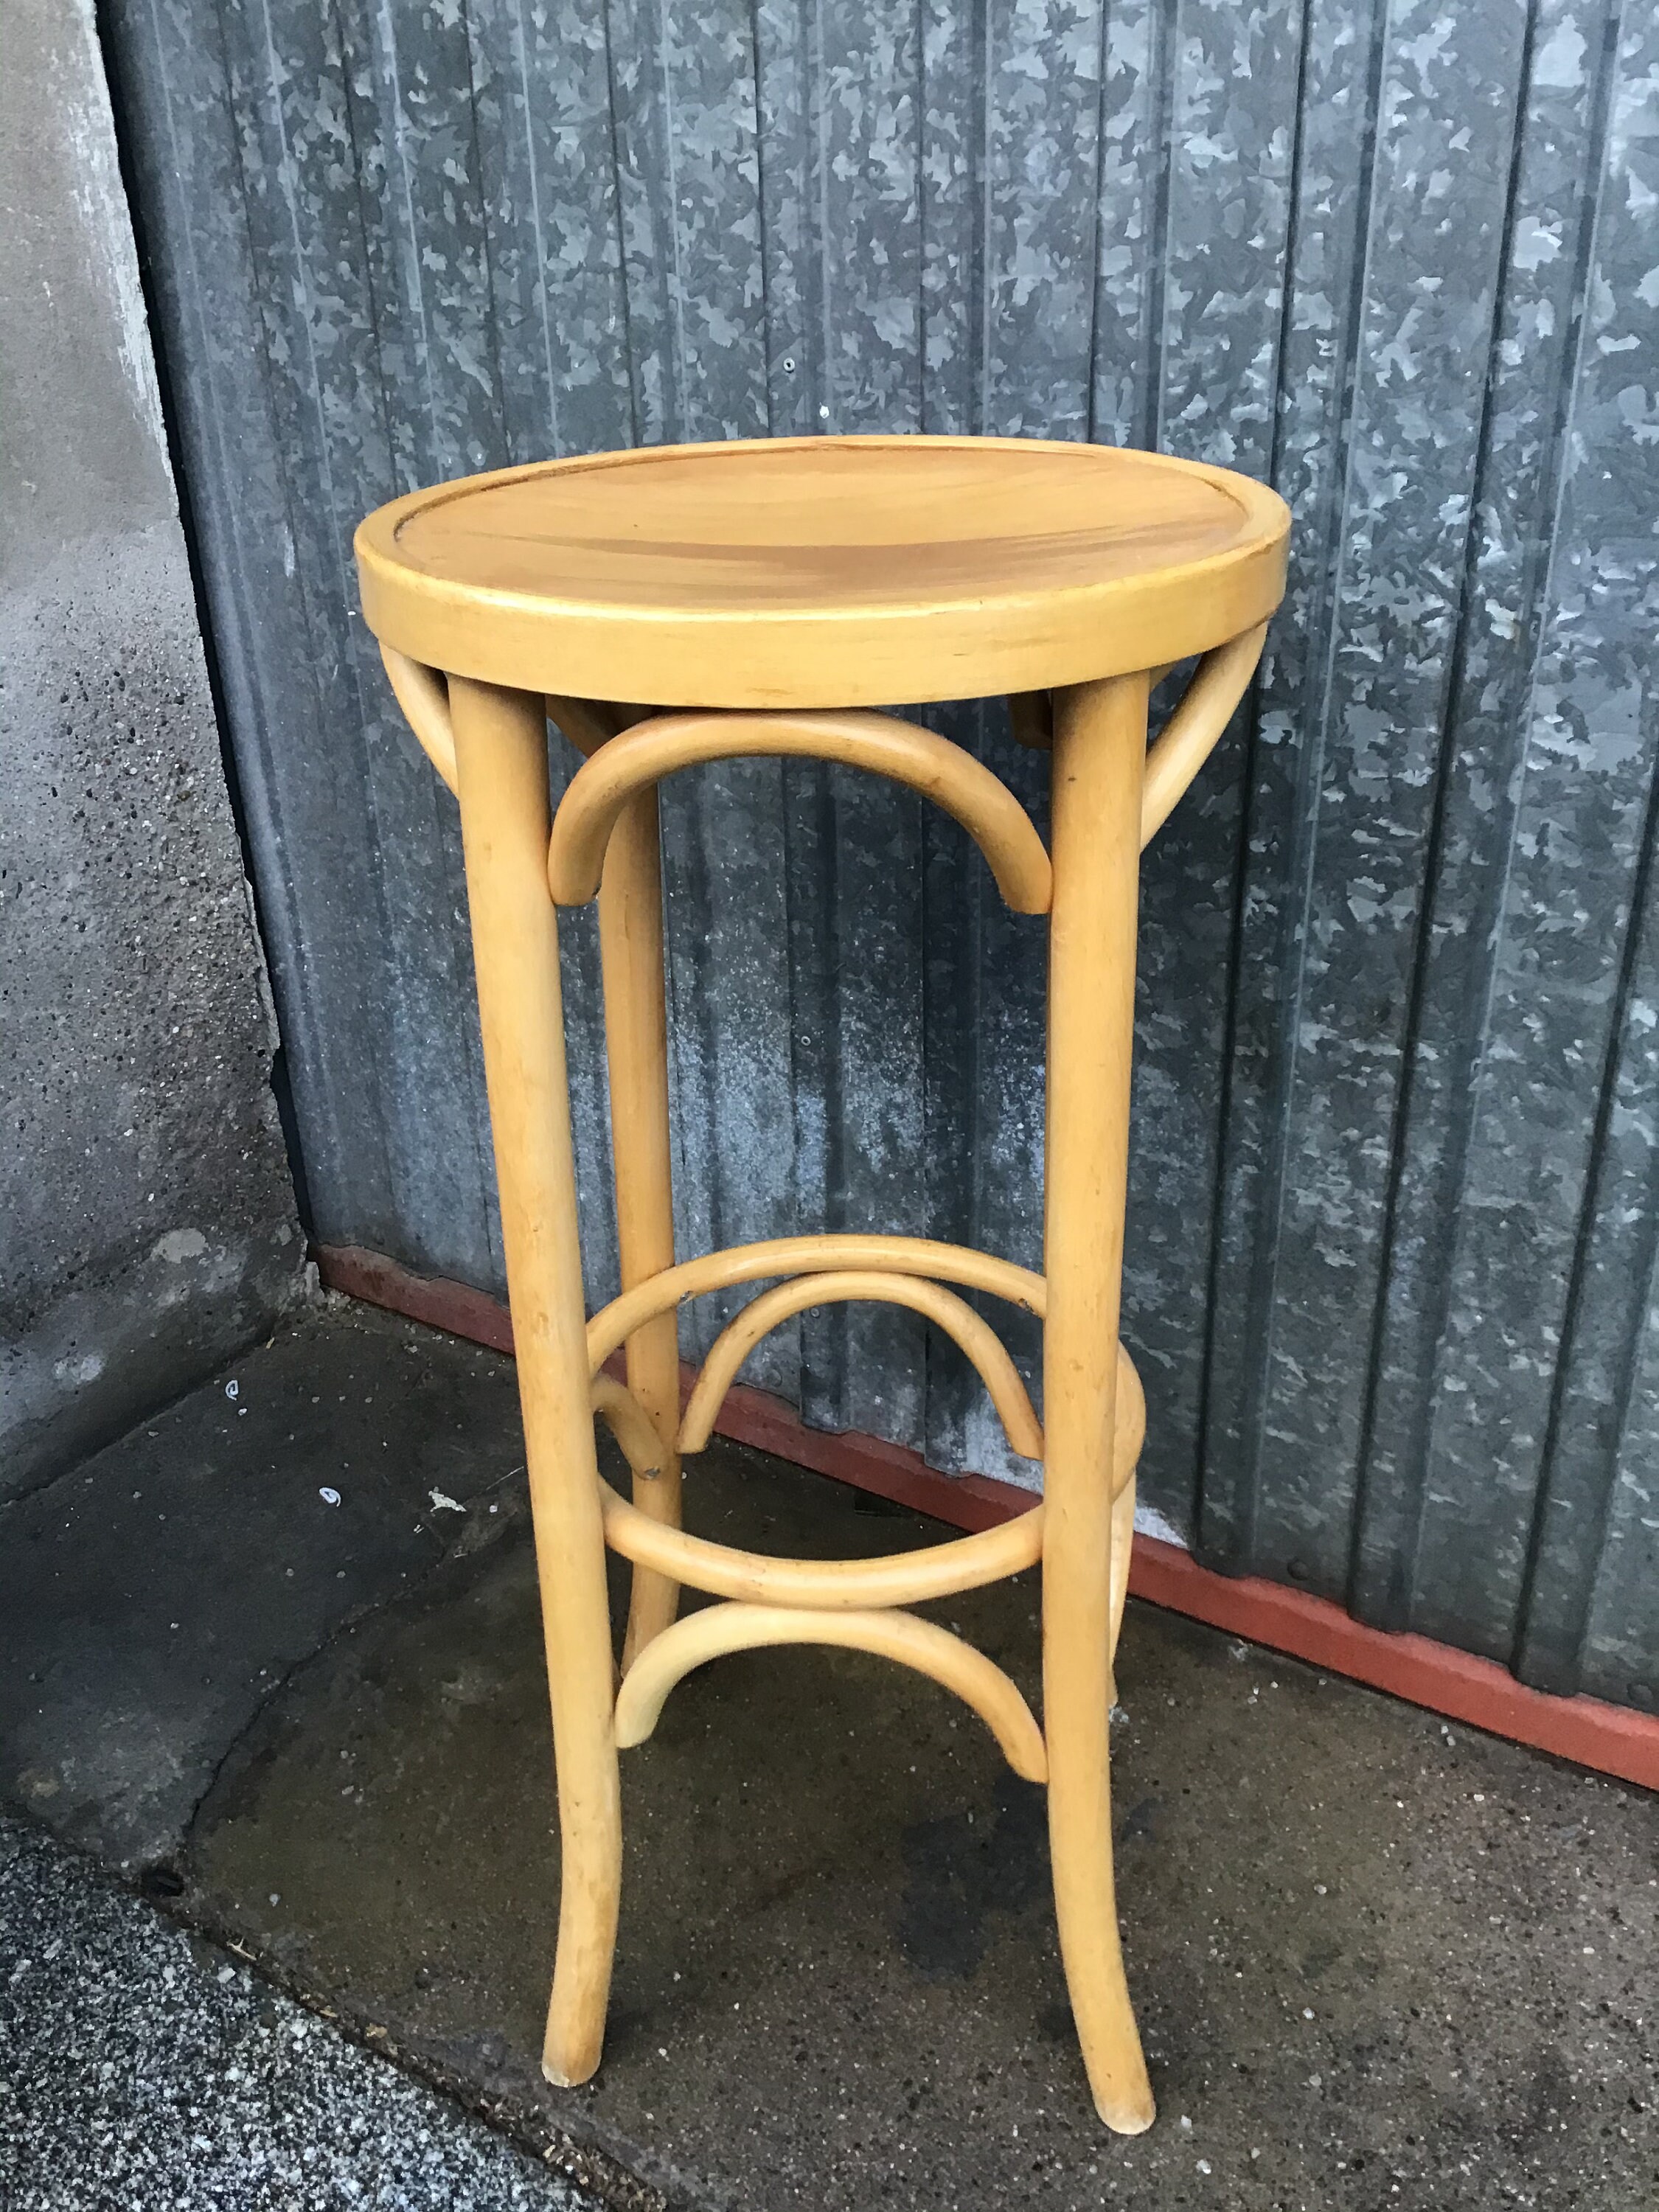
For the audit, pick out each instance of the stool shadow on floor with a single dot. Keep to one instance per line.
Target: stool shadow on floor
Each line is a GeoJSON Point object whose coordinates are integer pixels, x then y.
{"type": "Point", "coordinates": [962, 1869]}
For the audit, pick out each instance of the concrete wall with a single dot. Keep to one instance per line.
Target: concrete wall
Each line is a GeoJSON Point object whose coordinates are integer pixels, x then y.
{"type": "Point", "coordinates": [147, 1217]}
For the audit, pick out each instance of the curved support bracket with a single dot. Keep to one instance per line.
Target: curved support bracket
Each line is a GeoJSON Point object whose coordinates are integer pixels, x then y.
{"type": "Point", "coordinates": [1031, 719]}
{"type": "Point", "coordinates": [957, 1318]}
{"type": "Point", "coordinates": [1187, 740]}
{"type": "Point", "coordinates": [612, 1325]}
{"type": "Point", "coordinates": [588, 723]}
{"type": "Point", "coordinates": [933, 1651]}
{"type": "Point", "coordinates": [423, 696]}
{"type": "Point", "coordinates": [615, 1404]}
{"type": "Point", "coordinates": [1128, 1424]}
{"type": "Point", "coordinates": [882, 744]}
{"type": "Point", "coordinates": [904, 1257]}
{"type": "Point", "coordinates": [823, 1585]}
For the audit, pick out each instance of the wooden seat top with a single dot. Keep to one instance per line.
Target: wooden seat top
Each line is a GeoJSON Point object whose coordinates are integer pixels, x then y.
{"type": "Point", "coordinates": [823, 572]}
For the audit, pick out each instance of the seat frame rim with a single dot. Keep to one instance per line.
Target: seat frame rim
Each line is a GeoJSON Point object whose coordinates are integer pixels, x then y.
{"type": "Point", "coordinates": [800, 656]}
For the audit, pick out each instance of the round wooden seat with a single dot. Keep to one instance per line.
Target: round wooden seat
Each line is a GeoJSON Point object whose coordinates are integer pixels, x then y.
{"type": "Point", "coordinates": [824, 572]}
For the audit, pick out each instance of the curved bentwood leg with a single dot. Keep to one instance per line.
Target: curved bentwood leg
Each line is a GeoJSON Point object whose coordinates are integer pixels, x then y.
{"type": "Point", "coordinates": [636, 1051]}
{"type": "Point", "coordinates": [501, 750]}
{"type": "Point", "coordinates": [1129, 1433]}
{"type": "Point", "coordinates": [1099, 754]}
{"type": "Point", "coordinates": [1123, 1537]}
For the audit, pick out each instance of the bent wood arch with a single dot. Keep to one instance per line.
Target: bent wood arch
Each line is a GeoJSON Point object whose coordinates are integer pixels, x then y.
{"type": "Point", "coordinates": [700, 1637]}
{"type": "Point", "coordinates": [883, 743]}
{"type": "Point", "coordinates": [423, 695]}
{"type": "Point", "coordinates": [800, 1256]}
{"type": "Point", "coordinates": [822, 1585]}
{"type": "Point", "coordinates": [888, 1255]}
{"type": "Point", "coordinates": [1188, 738]}
{"type": "Point", "coordinates": [939, 770]}
{"type": "Point", "coordinates": [615, 1404]}
{"type": "Point", "coordinates": [975, 1336]}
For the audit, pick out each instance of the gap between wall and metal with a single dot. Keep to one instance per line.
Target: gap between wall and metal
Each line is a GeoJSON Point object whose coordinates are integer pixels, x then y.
{"type": "Point", "coordinates": [1477, 1691]}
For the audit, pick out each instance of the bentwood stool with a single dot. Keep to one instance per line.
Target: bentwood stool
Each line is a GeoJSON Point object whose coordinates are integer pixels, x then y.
{"type": "Point", "coordinates": [677, 605]}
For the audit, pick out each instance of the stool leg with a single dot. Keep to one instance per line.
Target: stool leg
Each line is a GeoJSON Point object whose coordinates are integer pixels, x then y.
{"type": "Point", "coordinates": [500, 753]}
{"type": "Point", "coordinates": [637, 1049]}
{"type": "Point", "coordinates": [1100, 739]}
{"type": "Point", "coordinates": [1123, 1536]}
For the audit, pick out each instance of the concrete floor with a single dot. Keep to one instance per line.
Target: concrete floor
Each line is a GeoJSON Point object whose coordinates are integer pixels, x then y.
{"type": "Point", "coordinates": [141, 2067]}
{"type": "Point", "coordinates": [1378, 1963]}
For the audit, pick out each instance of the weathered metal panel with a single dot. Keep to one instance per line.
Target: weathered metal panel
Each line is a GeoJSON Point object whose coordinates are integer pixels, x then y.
{"type": "Point", "coordinates": [1372, 720]}
{"type": "Point", "coordinates": [1392, 1236]}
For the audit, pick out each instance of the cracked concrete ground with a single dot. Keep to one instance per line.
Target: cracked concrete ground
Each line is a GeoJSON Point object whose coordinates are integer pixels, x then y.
{"type": "Point", "coordinates": [1378, 1963]}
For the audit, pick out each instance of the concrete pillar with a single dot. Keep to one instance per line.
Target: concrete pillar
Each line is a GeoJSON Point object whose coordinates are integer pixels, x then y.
{"type": "Point", "coordinates": [148, 1227]}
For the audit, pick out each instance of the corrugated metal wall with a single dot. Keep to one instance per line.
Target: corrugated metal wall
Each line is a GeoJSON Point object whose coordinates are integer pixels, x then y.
{"type": "Point", "coordinates": [1392, 1233]}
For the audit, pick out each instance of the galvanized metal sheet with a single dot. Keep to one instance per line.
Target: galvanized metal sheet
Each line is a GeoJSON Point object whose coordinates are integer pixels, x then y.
{"type": "Point", "coordinates": [1392, 1242]}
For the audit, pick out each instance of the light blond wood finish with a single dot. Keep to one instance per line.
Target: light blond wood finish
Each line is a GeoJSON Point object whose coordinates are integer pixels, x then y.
{"type": "Point", "coordinates": [802, 1256]}
{"type": "Point", "coordinates": [1188, 738]}
{"type": "Point", "coordinates": [424, 698]}
{"type": "Point", "coordinates": [934, 1651]}
{"type": "Point", "coordinates": [881, 745]}
{"type": "Point", "coordinates": [900, 1578]}
{"type": "Point", "coordinates": [1173, 758]}
{"type": "Point", "coordinates": [636, 1053]}
{"type": "Point", "coordinates": [911, 1257]}
{"type": "Point", "coordinates": [1128, 1434]}
{"type": "Point", "coordinates": [789, 585]}
{"type": "Point", "coordinates": [981, 1343]}
{"type": "Point", "coordinates": [615, 1404]}
{"type": "Point", "coordinates": [500, 751]}
{"type": "Point", "coordinates": [636, 1048]}
{"type": "Point", "coordinates": [1123, 1536]}
{"type": "Point", "coordinates": [824, 572]}
{"type": "Point", "coordinates": [824, 1585]}
{"type": "Point", "coordinates": [1031, 720]}
{"type": "Point", "coordinates": [1128, 1422]}
{"type": "Point", "coordinates": [588, 723]}
{"type": "Point", "coordinates": [1100, 739]}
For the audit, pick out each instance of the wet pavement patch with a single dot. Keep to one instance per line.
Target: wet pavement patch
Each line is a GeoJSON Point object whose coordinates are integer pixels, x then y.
{"type": "Point", "coordinates": [1377, 1962]}
{"type": "Point", "coordinates": [166, 1589]}
{"type": "Point", "coordinates": [1373, 1966]}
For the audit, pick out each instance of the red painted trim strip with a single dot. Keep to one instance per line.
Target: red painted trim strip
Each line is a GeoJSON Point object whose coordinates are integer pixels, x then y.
{"type": "Point", "coordinates": [1611, 1738]}
{"type": "Point", "coordinates": [453, 1307]}
{"type": "Point", "coordinates": [1478, 1691]}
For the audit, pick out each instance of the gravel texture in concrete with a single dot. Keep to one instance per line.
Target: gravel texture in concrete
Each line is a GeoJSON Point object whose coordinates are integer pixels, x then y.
{"type": "Point", "coordinates": [141, 2067]}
